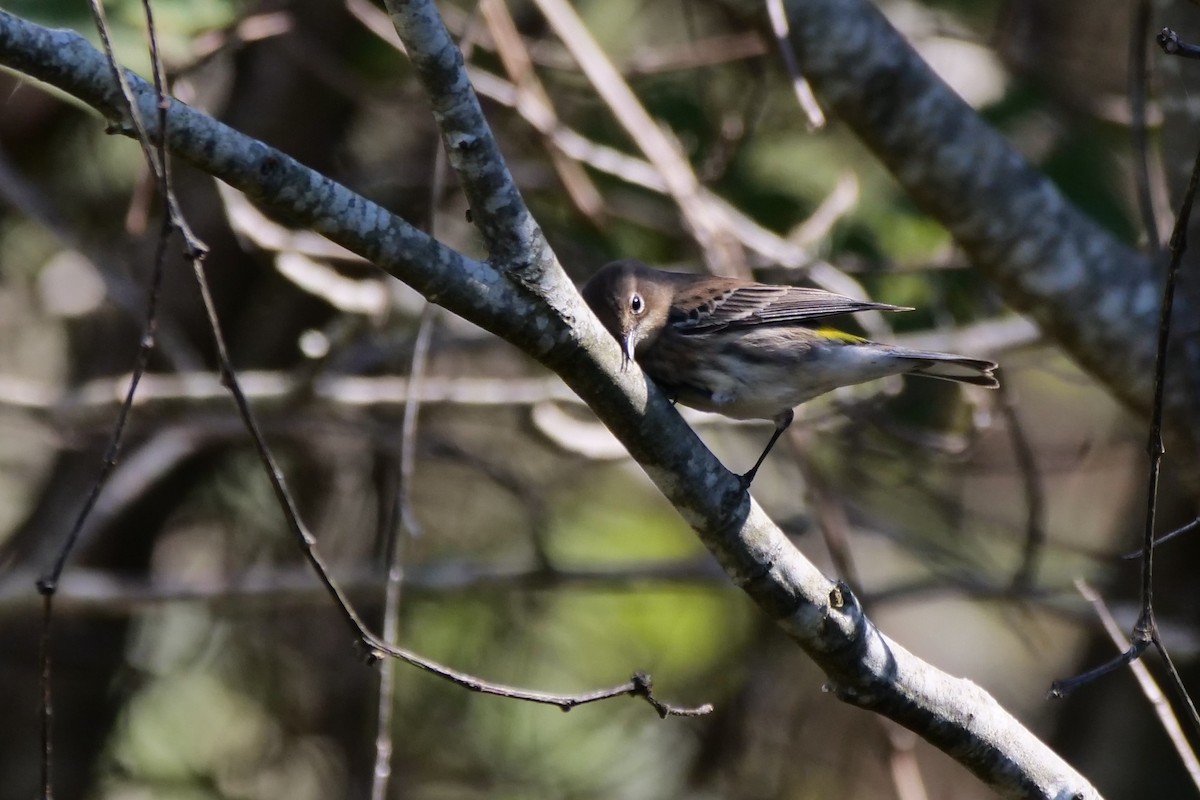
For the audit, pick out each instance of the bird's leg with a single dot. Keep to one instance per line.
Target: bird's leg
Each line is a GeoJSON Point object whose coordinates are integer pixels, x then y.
{"type": "Point", "coordinates": [781, 424]}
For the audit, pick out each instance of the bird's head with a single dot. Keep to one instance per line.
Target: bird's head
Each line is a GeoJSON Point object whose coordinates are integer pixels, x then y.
{"type": "Point", "coordinates": [633, 302]}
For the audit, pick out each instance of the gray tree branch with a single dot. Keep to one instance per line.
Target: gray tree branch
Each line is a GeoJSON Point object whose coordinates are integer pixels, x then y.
{"type": "Point", "coordinates": [539, 311]}
{"type": "Point", "coordinates": [1089, 292]}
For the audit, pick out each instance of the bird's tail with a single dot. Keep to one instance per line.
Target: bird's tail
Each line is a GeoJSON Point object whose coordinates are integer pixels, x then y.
{"type": "Point", "coordinates": [947, 367]}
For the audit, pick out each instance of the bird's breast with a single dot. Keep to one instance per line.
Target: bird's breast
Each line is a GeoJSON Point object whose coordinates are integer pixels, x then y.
{"type": "Point", "coordinates": [744, 374]}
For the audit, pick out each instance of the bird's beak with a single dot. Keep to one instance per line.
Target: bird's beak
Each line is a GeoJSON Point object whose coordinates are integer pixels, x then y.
{"type": "Point", "coordinates": [629, 345]}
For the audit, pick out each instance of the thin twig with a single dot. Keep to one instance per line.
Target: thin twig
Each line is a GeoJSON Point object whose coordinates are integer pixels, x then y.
{"type": "Point", "coordinates": [565, 702]}
{"type": "Point", "coordinates": [720, 250]}
{"type": "Point", "coordinates": [100, 592]}
{"type": "Point", "coordinates": [403, 526]}
{"type": "Point", "coordinates": [804, 93]}
{"type": "Point", "coordinates": [1176, 682]}
{"type": "Point", "coordinates": [533, 103]}
{"type": "Point", "coordinates": [1150, 688]}
{"type": "Point", "coordinates": [48, 583]}
{"type": "Point", "coordinates": [1139, 33]}
{"type": "Point", "coordinates": [1166, 537]}
{"type": "Point", "coordinates": [46, 698]}
{"type": "Point", "coordinates": [697, 52]}
{"type": "Point", "coordinates": [1145, 630]}
{"type": "Point", "coordinates": [737, 125]}
{"type": "Point", "coordinates": [203, 390]}
{"type": "Point", "coordinates": [903, 764]}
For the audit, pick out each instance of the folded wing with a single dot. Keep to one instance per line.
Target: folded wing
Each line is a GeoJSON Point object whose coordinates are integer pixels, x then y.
{"type": "Point", "coordinates": [743, 305]}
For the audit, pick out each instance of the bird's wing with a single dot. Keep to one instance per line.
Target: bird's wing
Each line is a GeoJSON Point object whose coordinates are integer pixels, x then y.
{"type": "Point", "coordinates": [735, 305]}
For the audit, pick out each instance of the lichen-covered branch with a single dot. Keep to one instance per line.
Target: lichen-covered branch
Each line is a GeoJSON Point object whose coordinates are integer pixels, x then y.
{"type": "Point", "coordinates": [1091, 293]}
{"type": "Point", "coordinates": [515, 242]}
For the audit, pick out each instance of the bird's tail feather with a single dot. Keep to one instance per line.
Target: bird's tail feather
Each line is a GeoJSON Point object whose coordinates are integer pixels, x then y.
{"type": "Point", "coordinates": [960, 369]}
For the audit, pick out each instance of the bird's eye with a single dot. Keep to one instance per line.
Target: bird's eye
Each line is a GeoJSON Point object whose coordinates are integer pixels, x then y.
{"type": "Point", "coordinates": [636, 305]}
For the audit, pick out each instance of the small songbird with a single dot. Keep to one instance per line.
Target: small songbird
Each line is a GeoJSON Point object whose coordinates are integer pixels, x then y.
{"type": "Point", "coordinates": [751, 350]}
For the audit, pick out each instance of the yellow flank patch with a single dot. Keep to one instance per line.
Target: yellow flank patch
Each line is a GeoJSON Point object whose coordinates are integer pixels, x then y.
{"type": "Point", "coordinates": [840, 336]}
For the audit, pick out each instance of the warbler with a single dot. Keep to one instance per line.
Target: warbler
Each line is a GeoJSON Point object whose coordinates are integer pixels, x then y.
{"type": "Point", "coordinates": [751, 350]}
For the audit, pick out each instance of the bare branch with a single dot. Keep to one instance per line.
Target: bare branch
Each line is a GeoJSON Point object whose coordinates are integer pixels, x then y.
{"type": "Point", "coordinates": [719, 249]}
{"type": "Point", "coordinates": [513, 237]}
{"type": "Point", "coordinates": [804, 93]}
{"type": "Point", "coordinates": [1092, 294]}
{"type": "Point", "coordinates": [1152, 691]}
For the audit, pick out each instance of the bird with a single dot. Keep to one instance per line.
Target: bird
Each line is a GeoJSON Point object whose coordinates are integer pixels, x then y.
{"type": "Point", "coordinates": [751, 350]}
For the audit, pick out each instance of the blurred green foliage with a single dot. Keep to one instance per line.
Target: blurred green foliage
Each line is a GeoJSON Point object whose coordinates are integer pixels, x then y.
{"type": "Point", "coordinates": [177, 22]}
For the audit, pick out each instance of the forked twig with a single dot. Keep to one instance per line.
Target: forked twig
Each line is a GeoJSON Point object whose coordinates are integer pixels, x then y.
{"type": "Point", "coordinates": [720, 249]}
{"type": "Point", "coordinates": [47, 584]}
{"type": "Point", "coordinates": [1145, 630]}
{"type": "Point", "coordinates": [1151, 689]}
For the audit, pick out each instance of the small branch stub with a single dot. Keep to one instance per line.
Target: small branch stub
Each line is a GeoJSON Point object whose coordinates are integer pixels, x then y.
{"type": "Point", "coordinates": [1172, 45]}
